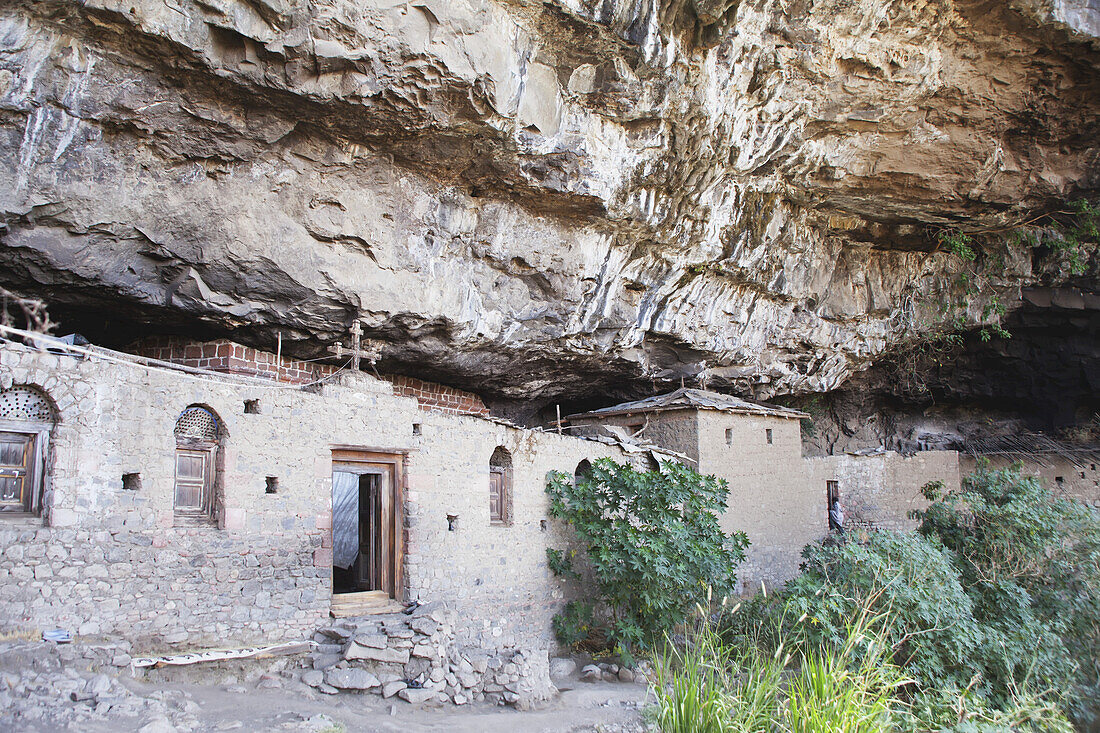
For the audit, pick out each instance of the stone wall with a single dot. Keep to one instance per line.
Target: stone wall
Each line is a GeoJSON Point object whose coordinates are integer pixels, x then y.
{"type": "Point", "coordinates": [1080, 478]}
{"type": "Point", "coordinates": [881, 490]}
{"type": "Point", "coordinates": [770, 499]}
{"type": "Point", "coordinates": [416, 657]}
{"type": "Point", "coordinates": [110, 561]}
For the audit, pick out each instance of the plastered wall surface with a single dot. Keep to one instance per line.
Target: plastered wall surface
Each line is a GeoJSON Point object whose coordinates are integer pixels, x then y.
{"type": "Point", "coordinates": [770, 499]}
{"type": "Point", "coordinates": [105, 560]}
{"type": "Point", "coordinates": [884, 489]}
{"type": "Point", "coordinates": [1080, 479]}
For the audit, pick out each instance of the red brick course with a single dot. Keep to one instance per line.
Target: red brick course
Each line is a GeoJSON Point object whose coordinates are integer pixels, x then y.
{"type": "Point", "coordinates": [225, 356]}
{"type": "Point", "coordinates": [437, 397]}
{"type": "Point", "coordinates": [232, 358]}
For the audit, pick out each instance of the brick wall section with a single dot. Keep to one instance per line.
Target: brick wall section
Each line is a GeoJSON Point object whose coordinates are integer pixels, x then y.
{"type": "Point", "coordinates": [225, 356]}
{"type": "Point", "coordinates": [437, 397]}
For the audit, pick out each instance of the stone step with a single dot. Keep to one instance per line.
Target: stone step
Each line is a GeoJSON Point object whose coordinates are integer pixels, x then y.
{"type": "Point", "coordinates": [368, 603]}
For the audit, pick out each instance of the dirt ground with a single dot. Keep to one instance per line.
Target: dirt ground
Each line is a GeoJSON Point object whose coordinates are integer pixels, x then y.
{"type": "Point", "coordinates": [601, 706]}
{"type": "Point", "coordinates": [43, 692]}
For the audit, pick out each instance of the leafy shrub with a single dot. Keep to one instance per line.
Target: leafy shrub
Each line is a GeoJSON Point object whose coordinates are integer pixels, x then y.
{"type": "Point", "coordinates": [652, 541]}
{"type": "Point", "coordinates": [1031, 563]}
{"type": "Point", "coordinates": [992, 608]}
{"type": "Point", "coordinates": [575, 626]}
{"type": "Point", "coordinates": [909, 580]}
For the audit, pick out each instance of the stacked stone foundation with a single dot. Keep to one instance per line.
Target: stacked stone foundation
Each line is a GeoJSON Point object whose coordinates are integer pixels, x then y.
{"type": "Point", "coordinates": [417, 657]}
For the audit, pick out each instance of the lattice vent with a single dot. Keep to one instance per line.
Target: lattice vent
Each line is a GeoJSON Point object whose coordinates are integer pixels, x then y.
{"type": "Point", "coordinates": [25, 403]}
{"type": "Point", "coordinates": [197, 423]}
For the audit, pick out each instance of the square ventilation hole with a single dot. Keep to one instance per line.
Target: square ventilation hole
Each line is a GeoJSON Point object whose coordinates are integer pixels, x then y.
{"type": "Point", "coordinates": [272, 485]}
{"type": "Point", "coordinates": [131, 482]}
{"type": "Point", "coordinates": [252, 407]}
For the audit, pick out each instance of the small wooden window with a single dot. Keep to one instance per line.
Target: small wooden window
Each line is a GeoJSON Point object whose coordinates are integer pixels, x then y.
{"type": "Point", "coordinates": [16, 471]}
{"type": "Point", "coordinates": [26, 420]}
{"type": "Point", "coordinates": [500, 487]}
{"type": "Point", "coordinates": [198, 433]}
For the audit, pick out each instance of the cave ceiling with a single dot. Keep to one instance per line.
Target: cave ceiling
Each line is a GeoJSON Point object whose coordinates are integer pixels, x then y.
{"type": "Point", "coordinates": [560, 200]}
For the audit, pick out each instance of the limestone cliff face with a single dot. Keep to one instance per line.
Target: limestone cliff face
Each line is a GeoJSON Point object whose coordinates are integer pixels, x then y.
{"type": "Point", "coordinates": [540, 198]}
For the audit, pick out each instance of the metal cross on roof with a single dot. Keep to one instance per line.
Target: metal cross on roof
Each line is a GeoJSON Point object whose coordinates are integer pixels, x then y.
{"type": "Point", "coordinates": [365, 349]}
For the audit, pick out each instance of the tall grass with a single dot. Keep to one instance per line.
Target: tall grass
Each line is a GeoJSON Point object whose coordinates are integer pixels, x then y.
{"type": "Point", "coordinates": [709, 686]}
{"type": "Point", "coordinates": [693, 685]}
{"type": "Point", "coordinates": [851, 689]}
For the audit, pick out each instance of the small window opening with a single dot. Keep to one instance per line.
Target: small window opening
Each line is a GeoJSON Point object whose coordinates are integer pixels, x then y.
{"type": "Point", "coordinates": [1082, 474]}
{"type": "Point", "coordinates": [544, 525]}
{"type": "Point", "coordinates": [452, 522]}
{"type": "Point", "coordinates": [1060, 480]}
{"type": "Point", "coordinates": [583, 472]}
{"type": "Point", "coordinates": [272, 485]}
{"type": "Point", "coordinates": [500, 486]}
{"type": "Point", "coordinates": [131, 482]}
{"type": "Point", "coordinates": [1092, 466]}
{"type": "Point", "coordinates": [416, 429]}
{"type": "Point", "coordinates": [252, 407]}
{"type": "Point", "coordinates": [768, 434]}
{"type": "Point", "coordinates": [729, 436]}
{"type": "Point", "coordinates": [199, 457]}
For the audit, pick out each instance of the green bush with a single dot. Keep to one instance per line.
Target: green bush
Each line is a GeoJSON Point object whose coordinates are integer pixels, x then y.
{"type": "Point", "coordinates": [908, 579]}
{"type": "Point", "coordinates": [652, 541]}
{"type": "Point", "coordinates": [992, 608]}
{"type": "Point", "coordinates": [1031, 564]}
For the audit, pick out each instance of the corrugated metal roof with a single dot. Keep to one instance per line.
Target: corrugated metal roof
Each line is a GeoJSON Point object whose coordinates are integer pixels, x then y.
{"type": "Point", "coordinates": [697, 399]}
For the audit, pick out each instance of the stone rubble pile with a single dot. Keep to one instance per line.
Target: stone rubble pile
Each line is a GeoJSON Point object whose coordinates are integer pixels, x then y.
{"type": "Point", "coordinates": [45, 687]}
{"type": "Point", "coordinates": [416, 657]}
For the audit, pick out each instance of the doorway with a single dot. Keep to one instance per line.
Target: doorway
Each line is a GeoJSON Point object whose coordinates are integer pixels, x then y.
{"type": "Point", "coordinates": [832, 493]}
{"type": "Point", "coordinates": [366, 523]}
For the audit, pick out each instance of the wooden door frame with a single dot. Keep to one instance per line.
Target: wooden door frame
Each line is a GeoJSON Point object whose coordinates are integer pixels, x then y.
{"type": "Point", "coordinates": [351, 456]}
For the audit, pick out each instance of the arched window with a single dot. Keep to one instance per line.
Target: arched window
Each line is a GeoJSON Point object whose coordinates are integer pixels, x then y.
{"type": "Point", "coordinates": [199, 436]}
{"type": "Point", "coordinates": [26, 419]}
{"type": "Point", "coordinates": [500, 487]}
{"type": "Point", "coordinates": [583, 472]}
